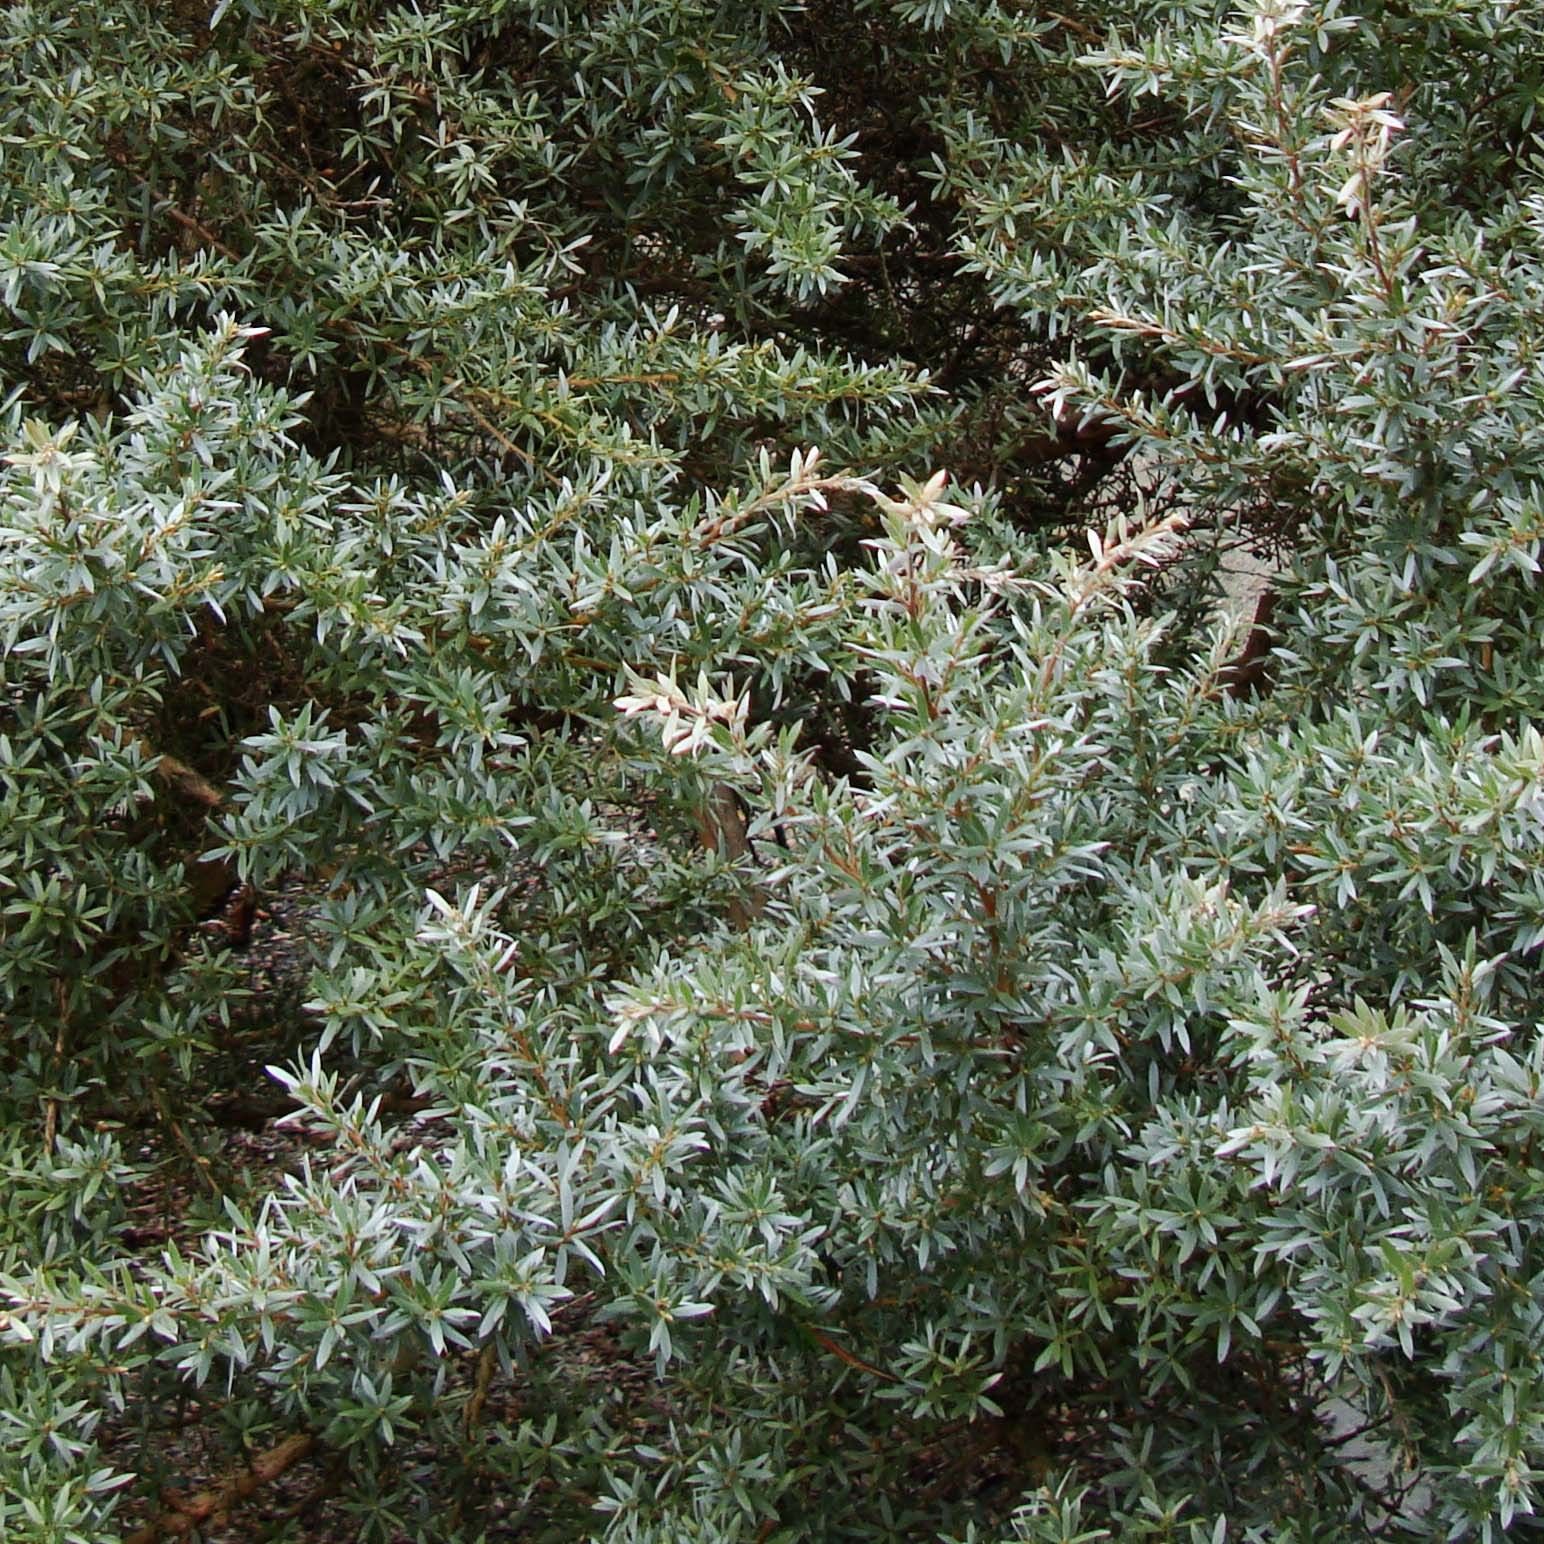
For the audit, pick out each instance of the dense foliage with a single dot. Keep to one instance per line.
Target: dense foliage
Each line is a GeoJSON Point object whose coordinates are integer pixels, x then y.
{"type": "Point", "coordinates": [834, 1006]}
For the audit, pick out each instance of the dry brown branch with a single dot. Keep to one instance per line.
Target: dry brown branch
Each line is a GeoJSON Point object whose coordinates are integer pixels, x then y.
{"type": "Point", "coordinates": [1076, 28]}
{"type": "Point", "coordinates": [474, 1406]}
{"type": "Point", "coordinates": [199, 229]}
{"type": "Point", "coordinates": [722, 828]}
{"type": "Point", "coordinates": [183, 1516]}
{"type": "Point", "coordinates": [842, 1354]}
{"type": "Point", "coordinates": [208, 878]}
{"type": "Point", "coordinates": [1248, 674]}
{"type": "Point", "coordinates": [188, 784]}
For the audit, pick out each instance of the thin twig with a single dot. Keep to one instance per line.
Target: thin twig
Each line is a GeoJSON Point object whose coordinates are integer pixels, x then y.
{"type": "Point", "coordinates": [199, 1161]}
{"type": "Point", "coordinates": [61, 1042]}
{"type": "Point", "coordinates": [199, 229]}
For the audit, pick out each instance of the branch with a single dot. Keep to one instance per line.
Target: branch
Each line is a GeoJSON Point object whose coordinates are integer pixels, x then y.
{"type": "Point", "coordinates": [188, 784]}
{"type": "Point", "coordinates": [722, 828]}
{"type": "Point", "coordinates": [1249, 673]}
{"type": "Point", "coordinates": [184, 1516]}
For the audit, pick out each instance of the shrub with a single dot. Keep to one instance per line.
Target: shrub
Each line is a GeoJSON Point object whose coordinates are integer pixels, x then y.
{"type": "Point", "coordinates": [828, 1009]}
